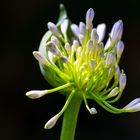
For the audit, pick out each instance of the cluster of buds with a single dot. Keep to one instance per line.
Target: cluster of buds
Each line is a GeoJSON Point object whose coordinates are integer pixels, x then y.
{"type": "Point", "coordinates": [74, 60]}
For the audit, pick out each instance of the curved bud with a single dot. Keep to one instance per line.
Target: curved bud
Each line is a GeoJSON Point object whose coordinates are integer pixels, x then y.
{"type": "Point", "coordinates": [132, 103]}
{"type": "Point", "coordinates": [122, 81]}
{"type": "Point", "coordinates": [113, 92]}
{"type": "Point", "coordinates": [35, 94]}
{"type": "Point", "coordinates": [41, 58]}
{"type": "Point", "coordinates": [55, 40]}
{"type": "Point", "coordinates": [82, 28]}
{"type": "Point", "coordinates": [51, 122]}
{"type": "Point", "coordinates": [75, 30]}
{"type": "Point", "coordinates": [119, 48]}
{"type": "Point", "coordinates": [93, 111]}
{"type": "Point", "coordinates": [101, 29]}
{"type": "Point", "coordinates": [53, 28]}
{"type": "Point", "coordinates": [89, 18]}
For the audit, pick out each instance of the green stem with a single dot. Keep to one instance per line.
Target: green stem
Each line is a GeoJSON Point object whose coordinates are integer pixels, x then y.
{"type": "Point", "coordinates": [70, 118]}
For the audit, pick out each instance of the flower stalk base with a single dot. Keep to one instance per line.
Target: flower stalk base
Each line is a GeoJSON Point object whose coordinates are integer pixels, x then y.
{"type": "Point", "coordinates": [70, 119]}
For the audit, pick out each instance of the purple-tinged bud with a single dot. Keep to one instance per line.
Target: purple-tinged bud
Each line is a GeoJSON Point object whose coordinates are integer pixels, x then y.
{"type": "Point", "coordinates": [93, 111]}
{"type": "Point", "coordinates": [53, 28]}
{"type": "Point", "coordinates": [64, 59]}
{"type": "Point", "coordinates": [51, 122]}
{"type": "Point", "coordinates": [64, 26]}
{"type": "Point", "coordinates": [113, 92]}
{"type": "Point", "coordinates": [82, 28]}
{"type": "Point", "coordinates": [41, 58]}
{"type": "Point", "coordinates": [122, 81]}
{"type": "Point", "coordinates": [82, 39]}
{"type": "Point", "coordinates": [35, 94]}
{"type": "Point", "coordinates": [110, 59]}
{"type": "Point", "coordinates": [117, 72]}
{"type": "Point", "coordinates": [133, 106]}
{"type": "Point", "coordinates": [101, 29]}
{"type": "Point", "coordinates": [117, 30]}
{"type": "Point", "coordinates": [75, 30]}
{"type": "Point", "coordinates": [89, 18]}
{"type": "Point", "coordinates": [119, 48]}
{"type": "Point", "coordinates": [94, 36]}
{"type": "Point", "coordinates": [53, 48]}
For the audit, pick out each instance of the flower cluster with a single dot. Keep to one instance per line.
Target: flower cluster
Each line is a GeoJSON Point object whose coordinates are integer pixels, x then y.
{"type": "Point", "coordinates": [75, 60]}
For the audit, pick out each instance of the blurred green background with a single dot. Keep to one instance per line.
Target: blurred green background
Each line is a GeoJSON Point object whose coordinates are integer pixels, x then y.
{"type": "Point", "coordinates": [23, 24]}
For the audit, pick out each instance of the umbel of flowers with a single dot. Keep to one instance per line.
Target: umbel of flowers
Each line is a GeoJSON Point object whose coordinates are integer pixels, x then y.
{"type": "Point", "coordinates": [77, 63]}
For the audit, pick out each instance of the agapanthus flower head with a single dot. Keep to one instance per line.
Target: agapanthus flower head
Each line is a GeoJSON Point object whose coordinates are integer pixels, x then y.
{"type": "Point", "coordinates": [75, 61]}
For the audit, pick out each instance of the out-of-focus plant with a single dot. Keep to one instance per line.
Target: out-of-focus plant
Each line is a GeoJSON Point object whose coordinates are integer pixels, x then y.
{"type": "Point", "coordinates": [75, 61]}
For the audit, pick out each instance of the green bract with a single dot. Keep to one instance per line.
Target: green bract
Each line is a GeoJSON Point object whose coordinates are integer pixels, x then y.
{"type": "Point", "coordinates": [75, 61]}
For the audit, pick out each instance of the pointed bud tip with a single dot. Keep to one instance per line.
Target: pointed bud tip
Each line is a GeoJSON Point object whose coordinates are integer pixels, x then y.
{"type": "Point", "coordinates": [34, 94]}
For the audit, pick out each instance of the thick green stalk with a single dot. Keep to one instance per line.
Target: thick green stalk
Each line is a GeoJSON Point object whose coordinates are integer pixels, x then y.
{"type": "Point", "coordinates": [70, 119]}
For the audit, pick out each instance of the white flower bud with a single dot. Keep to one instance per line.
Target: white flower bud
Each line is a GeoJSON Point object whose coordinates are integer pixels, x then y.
{"type": "Point", "coordinates": [51, 122]}
{"type": "Point", "coordinates": [133, 106]}
{"type": "Point", "coordinates": [92, 64]}
{"type": "Point", "coordinates": [68, 48]}
{"type": "Point", "coordinates": [113, 92]}
{"type": "Point", "coordinates": [90, 45]}
{"type": "Point", "coordinates": [110, 59]}
{"type": "Point", "coordinates": [101, 29]}
{"type": "Point", "coordinates": [41, 58]}
{"type": "Point", "coordinates": [64, 26]}
{"type": "Point", "coordinates": [93, 111]}
{"type": "Point", "coordinates": [82, 39]}
{"type": "Point", "coordinates": [35, 94]}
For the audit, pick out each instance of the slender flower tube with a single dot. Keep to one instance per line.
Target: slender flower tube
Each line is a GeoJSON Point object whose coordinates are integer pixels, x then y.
{"type": "Point", "coordinates": [75, 62]}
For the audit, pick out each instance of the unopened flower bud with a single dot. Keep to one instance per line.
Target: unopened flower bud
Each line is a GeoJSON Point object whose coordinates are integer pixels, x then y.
{"type": "Point", "coordinates": [117, 30]}
{"type": "Point", "coordinates": [94, 36]}
{"type": "Point", "coordinates": [35, 94]}
{"type": "Point", "coordinates": [133, 106]}
{"type": "Point", "coordinates": [53, 28]}
{"type": "Point", "coordinates": [110, 59]}
{"type": "Point", "coordinates": [82, 28]}
{"type": "Point", "coordinates": [41, 58]}
{"type": "Point", "coordinates": [113, 92]}
{"type": "Point", "coordinates": [55, 40]}
{"type": "Point", "coordinates": [90, 45]}
{"type": "Point", "coordinates": [89, 18]}
{"type": "Point", "coordinates": [53, 48]}
{"type": "Point", "coordinates": [101, 29]}
{"type": "Point", "coordinates": [75, 30]}
{"type": "Point", "coordinates": [64, 26]}
{"type": "Point", "coordinates": [120, 48]}
{"type": "Point", "coordinates": [51, 122]}
{"type": "Point", "coordinates": [68, 48]}
{"type": "Point", "coordinates": [82, 39]}
{"type": "Point", "coordinates": [93, 111]}
{"type": "Point", "coordinates": [122, 81]}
